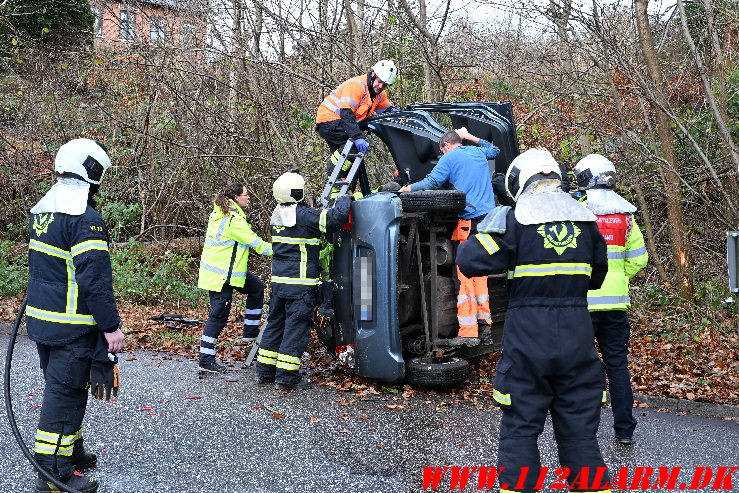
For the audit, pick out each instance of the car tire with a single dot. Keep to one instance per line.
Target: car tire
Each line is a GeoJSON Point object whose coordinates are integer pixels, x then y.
{"type": "Point", "coordinates": [434, 201]}
{"type": "Point", "coordinates": [426, 371]}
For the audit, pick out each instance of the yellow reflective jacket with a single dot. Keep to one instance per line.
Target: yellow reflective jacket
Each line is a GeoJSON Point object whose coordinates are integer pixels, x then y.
{"type": "Point", "coordinates": [226, 251]}
{"type": "Point", "coordinates": [627, 255]}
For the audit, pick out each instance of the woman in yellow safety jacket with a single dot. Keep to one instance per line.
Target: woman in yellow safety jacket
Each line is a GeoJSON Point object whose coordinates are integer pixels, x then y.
{"type": "Point", "coordinates": [223, 268]}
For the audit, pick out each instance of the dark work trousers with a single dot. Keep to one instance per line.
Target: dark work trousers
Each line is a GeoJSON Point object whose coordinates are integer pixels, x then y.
{"type": "Point", "coordinates": [67, 373]}
{"type": "Point", "coordinates": [549, 364]}
{"type": "Point", "coordinates": [612, 332]}
{"type": "Point", "coordinates": [220, 308]}
{"type": "Point", "coordinates": [286, 336]}
{"type": "Point", "coordinates": [335, 136]}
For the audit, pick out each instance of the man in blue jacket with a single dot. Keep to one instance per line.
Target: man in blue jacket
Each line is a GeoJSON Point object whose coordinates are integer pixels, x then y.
{"type": "Point", "coordinates": [466, 168]}
{"type": "Point", "coordinates": [71, 312]}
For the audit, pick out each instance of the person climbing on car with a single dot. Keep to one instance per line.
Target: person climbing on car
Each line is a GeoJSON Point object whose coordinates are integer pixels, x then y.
{"type": "Point", "coordinates": [627, 255]}
{"type": "Point", "coordinates": [553, 252]}
{"type": "Point", "coordinates": [296, 232]}
{"type": "Point", "coordinates": [466, 169]}
{"type": "Point", "coordinates": [223, 269]}
{"type": "Point", "coordinates": [351, 102]}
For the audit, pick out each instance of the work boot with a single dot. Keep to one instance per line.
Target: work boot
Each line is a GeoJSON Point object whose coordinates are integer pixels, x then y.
{"type": "Point", "coordinates": [625, 440]}
{"type": "Point", "coordinates": [263, 380]}
{"type": "Point", "coordinates": [459, 342]}
{"type": "Point", "coordinates": [212, 367]}
{"type": "Point", "coordinates": [486, 335]}
{"type": "Point", "coordinates": [77, 481]}
{"type": "Point", "coordinates": [301, 384]}
{"type": "Point", "coordinates": [82, 459]}
{"type": "Point", "coordinates": [85, 461]}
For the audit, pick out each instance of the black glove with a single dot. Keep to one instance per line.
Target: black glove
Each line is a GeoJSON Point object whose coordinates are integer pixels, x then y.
{"type": "Point", "coordinates": [104, 378]}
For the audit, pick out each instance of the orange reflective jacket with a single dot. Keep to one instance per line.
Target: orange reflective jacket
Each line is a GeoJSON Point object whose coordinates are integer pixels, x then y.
{"type": "Point", "coordinates": [352, 94]}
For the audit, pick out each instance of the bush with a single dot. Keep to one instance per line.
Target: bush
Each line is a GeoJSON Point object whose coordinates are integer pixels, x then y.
{"type": "Point", "coordinates": [13, 268]}
{"type": "Point", "coordinates": [141, 277]}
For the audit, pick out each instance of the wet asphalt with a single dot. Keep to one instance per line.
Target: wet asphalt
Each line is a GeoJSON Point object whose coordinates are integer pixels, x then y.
{"type": "Point", "coordinates": [171, 431]}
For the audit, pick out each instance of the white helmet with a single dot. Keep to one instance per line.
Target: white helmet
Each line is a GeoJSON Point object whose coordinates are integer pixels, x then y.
{"type": "Point", "coordinates": [595, 171]}
{"type": "Point", "coordinates": [85, 158]}
{"type": "Point", "coordinates": [385, 71]}
{"type": "Point", "coordinates": [289, 188]}
{"type": "Point", "coordinates": [531, 166]}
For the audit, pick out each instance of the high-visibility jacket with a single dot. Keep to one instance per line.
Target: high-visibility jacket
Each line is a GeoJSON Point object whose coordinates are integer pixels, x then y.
{"type": "Point", "coordinates": [627, 255]}
{"type": "Point", "coordinates": [226, 251]}
{"type": "Point", "coordinates": [70, 284]}
{"type": "Point", "coordinates": [353, 94]}
{"type": "Point", "coordinates": [296, 263]}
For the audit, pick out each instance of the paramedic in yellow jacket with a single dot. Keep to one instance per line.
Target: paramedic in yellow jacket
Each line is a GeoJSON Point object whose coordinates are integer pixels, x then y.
{"type": "Point", "coordinates": [223, 269]}
{"type": "Point", "coordinates": [626, 256]}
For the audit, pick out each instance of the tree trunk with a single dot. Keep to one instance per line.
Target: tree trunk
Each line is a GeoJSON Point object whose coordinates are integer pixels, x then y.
{"type": "Point", "coordinates": [560, 14]}
{"type": "Point", "coordinates": [681, 250]}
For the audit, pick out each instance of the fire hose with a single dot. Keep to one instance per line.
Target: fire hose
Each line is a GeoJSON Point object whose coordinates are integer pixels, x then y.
{"type": "Point", "coordinates": [9, 407]}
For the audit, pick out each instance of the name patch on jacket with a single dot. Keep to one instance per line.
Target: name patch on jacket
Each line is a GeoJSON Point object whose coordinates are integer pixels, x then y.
{"type": "Point", "coordinates": [614, 228]}
{"type": "Point", "coordinates": [559, 236]}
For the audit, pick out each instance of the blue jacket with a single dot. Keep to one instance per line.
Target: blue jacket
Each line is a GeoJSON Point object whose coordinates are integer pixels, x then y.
{"type": "Point", "coordinates": [466, 169]}
{"type": "Point", "coordinates": [70, 282]}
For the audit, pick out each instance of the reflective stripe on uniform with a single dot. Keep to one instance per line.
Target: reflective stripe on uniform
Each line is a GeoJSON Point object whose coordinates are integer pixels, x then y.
{"type": "Point", "coordinates": [288, 362]}
{"type": "Point", "coordinates": [207, 350]}
{"type": "Point", "coordinates": [307, 281]}
{"type": "Point", "coordinates": [253, 311]}
{"type": "Point", "coordinates": [86, 246]}
{"type": "Point", "coordinates": [296, 241]}
{"type": "Point", "coordinates": [41, 247]}
{"type": "Point", "coordinates": [212, 268]}
{"type": "Point", "coordinates": [635, 253]}
{"type": "Point", "coordinates": [322, 221]}
{"type": "Point", "coordinates": [616, 255]}
{"type": "Point", "coordinates": [63, 318]}
{"type": "Point", "coordinates": [211, 340]}
{"type": "Point", "coordinates": [501, 397]}
{"type": "Point", "coordinates": [303, 261]}
{"type": "Point", "coordinates": [267, 357]}
{"type": "Point", "coordinates": [209, 242]}
{"type": "Point", "coordinates": [487, 242]}
{"type": "Point", "coordinates": [607, 300]}
{"type": "Point", "coordinates": [553, 269]}
{"type": "Point", "coordinates": [604, 396]}
{"type": "Point", "coordinates": [467, 320]}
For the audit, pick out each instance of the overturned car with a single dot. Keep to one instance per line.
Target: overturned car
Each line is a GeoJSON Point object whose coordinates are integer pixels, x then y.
{"type": "Point", "coordinates": [394, 299]}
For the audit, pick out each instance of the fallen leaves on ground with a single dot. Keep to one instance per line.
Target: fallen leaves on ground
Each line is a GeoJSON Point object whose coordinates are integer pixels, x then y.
{"type": "Point", "coordinates": [663, 362]}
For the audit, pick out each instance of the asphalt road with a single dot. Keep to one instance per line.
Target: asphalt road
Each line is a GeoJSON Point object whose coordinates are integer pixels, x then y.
{"type": "Point", "coordinates": [171, 431]}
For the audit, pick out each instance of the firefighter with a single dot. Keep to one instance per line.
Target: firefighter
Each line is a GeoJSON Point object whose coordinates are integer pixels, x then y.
{"type": "Point", "coordinates": [71, 312]}
{"type": "Point", "coordinates": [296, 231]}
{"type": "Point", "coordinates": [466, 168]}
{"type": "Point", "coordinates": [553, 252]}
{"type": "Point", "coordinates": [223, 269]}
{"type": "Point", "coordinates": [627, 255]}
{"type": "Point", "coordinates": [351, 102]}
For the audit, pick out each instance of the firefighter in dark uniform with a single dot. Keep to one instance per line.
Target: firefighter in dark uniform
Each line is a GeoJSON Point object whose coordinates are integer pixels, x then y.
{"type": "Point", "coordinates": [553, 252]}
{"type": "Point", "coordinates": [71, 312]}
{"type": "Point", "coordinates": [296, 230]}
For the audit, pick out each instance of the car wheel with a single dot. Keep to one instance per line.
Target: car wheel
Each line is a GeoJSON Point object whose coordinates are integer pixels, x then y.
{"type": "Point", "coordinates": [434, 201]}
{"type": "Point", "coordinates": [427, 371]}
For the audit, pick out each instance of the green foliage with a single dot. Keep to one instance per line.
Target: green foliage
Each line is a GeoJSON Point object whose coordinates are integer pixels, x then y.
{"type": "Point", "coordinates": [59, 24]}
{"type": "Point", "coordinates": [13, 269]}
{"type": "Point", "coordinates": [140, 277]}
{"type": "Point", "coordinates": [121, 219]}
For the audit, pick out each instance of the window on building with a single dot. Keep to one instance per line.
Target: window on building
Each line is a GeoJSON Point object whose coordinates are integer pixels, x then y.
{"type": "Point", "coordinates": [128, 25]}
{"type": "Point", "coordinates": [187, 34]}
{"type": "Point", "coordinates": [157, 28]}
{"type": "Point", "coordinates": [97, 11]}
